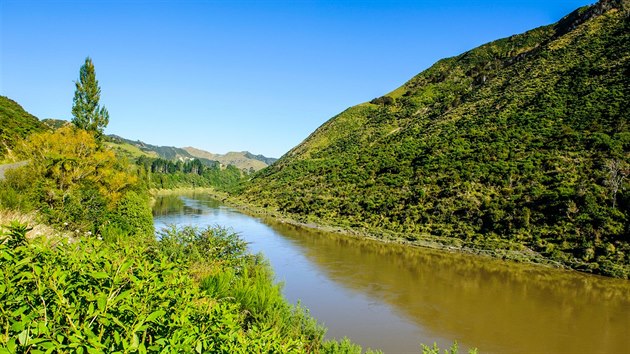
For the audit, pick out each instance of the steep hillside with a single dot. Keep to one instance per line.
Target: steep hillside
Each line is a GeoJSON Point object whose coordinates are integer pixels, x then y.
{"type": "Point", "coordinates": [243, 160]}
{"type": "Point", "coordinates": [15, 124]}
{"type": "Point", "coordinates": [522, 143]}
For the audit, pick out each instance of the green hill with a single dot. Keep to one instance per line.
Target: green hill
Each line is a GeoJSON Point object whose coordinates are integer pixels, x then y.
{"type": "Point", "coordinates": [242, 160]}
{"type": "Point", "coordinates": [165, 152]}
{"type": "Point", "coordinates": [15, 124]}
{"type": "Point", "coordinates": [521, 144]}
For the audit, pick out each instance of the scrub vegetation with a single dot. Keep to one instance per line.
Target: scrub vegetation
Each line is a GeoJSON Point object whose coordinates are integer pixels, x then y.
{"type": "Point", "coordinates": [97, 280]}
{"type": "Point", "coordinates": [522, 144]}
{"type": "Point", "coordinates": [191, 291]}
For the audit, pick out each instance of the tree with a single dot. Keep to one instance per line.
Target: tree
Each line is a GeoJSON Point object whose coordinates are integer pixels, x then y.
{"type": "Point", "coordinates": [87, 112]}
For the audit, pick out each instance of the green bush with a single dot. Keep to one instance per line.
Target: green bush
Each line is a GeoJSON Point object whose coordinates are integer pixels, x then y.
{"type": "Point", "coordinates": [192, 244]}
{"type": "Point", "coordinates": [132, 216]}
{"type": "Point", "coordinates": [92, 296]}
{"type": "Point", "coordinates": [190, 292]}
{"type": "Point", "coordinates": [78, 185]}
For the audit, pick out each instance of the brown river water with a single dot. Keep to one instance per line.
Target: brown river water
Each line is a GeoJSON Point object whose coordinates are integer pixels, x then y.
{"type": "Point", "coordinates": [393, 297]}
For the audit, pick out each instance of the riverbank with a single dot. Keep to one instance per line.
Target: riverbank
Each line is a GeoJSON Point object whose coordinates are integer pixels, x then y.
{"type": "Point", "coordinates": [497, 249]}
{"type": "Point", "coordinates": [392, 297]}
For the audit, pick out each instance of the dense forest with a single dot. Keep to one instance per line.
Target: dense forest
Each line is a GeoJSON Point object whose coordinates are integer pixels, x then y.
{"type": "Point", "coordinates": [166, 174]}
{"type": "Point", "coordinates": [521, 144]}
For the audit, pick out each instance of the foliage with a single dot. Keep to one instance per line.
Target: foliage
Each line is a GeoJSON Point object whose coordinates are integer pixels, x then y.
{"type": "Point", "coordinates": [165, 174]}
{"type": "Point", "coordinates": [97, 297]}
{"type": "Point", "coordinates": [131, 215]}
{"type": "Point", "coordinates": [16, 234]}
{"type": "Point", "coordinates": [522, 143]}
{"type": "Point", "coordinates": [76, 184]}
{"type": "Point", "coordinates": [454, 349]}
{"type": "Point", "coordinates": [15, 124]}
{"type": "Point", "coordinates": [383, 101]}
{"type": "Point", "coordinates": [345, 346]}
{"type": "Point", "coordinates": [86, 110]}
{"type": "Point", "coordinates": [194, 245]}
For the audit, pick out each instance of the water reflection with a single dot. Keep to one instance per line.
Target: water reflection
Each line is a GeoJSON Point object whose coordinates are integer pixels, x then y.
{"type": "Point", "coordinates": [394, 296]}
{"type": "Point", "coordinates": [497, 306]}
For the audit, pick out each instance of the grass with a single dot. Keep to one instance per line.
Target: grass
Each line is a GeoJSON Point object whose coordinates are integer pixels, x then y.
{"type": "Point", "coordinates": [130, 150]}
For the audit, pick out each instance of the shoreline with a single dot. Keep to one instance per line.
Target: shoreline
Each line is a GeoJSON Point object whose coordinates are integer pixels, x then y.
{"type": "Point", "coordinates": [423, 241]}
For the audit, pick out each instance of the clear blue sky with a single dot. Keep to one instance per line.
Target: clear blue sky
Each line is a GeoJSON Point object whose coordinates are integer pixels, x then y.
{"type": "Point", "coordinates": [239, 75]}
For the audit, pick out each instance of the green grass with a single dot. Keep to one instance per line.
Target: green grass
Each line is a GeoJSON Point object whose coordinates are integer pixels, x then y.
{"type": "Point", "coordinates": [130, 151]}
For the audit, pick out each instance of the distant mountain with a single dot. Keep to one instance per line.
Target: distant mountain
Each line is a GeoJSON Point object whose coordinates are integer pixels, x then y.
{"type": "Point", "coordinates": [165, 152]}
{"type": "Point", "coordinates": [243, 160]}
{"type": "Point", "coordinates": [266, 160]}
{"type": "Point", "coordinates": [522, 143]}
{"type": "Point", "coordinates": [15, 124]}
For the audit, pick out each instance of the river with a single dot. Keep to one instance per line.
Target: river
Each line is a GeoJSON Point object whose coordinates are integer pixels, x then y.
{"type": "Point", "coordinates": [393, 297]}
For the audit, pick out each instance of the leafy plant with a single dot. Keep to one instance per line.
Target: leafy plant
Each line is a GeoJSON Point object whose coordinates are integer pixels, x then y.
{"type": "Point", "coordinates": [15, 235]}
{"type": "Point", "coordinates": [127, 297]}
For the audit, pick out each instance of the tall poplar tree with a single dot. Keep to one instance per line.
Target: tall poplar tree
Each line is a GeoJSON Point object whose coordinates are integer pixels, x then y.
{"type": "Point", "coordinates": [86, 111]}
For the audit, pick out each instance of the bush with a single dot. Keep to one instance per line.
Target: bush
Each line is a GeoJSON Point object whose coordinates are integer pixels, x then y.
{"type": "Point", "coordinates": [132, 216]}
{"type": "Point", "coordinates": [383, 101]}
{"type": "Point", "coordinates": [100, 297]}
{"type": "Point", "coordinates": [78, 185]}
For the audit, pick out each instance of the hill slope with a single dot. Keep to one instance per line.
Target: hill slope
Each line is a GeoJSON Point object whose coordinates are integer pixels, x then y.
{"type": "Point", "coordinates": [521, 143]}
{"type": "Point", "coordinates": [15, 124]}
{"type": "Point", "coordinates": [165, 152]}
{"type": "Point", "coordinates": [243, 160]}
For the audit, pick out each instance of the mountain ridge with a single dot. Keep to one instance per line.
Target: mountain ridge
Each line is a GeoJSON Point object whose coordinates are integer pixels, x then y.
{"type": "Point", "coordinates": [243, 160]}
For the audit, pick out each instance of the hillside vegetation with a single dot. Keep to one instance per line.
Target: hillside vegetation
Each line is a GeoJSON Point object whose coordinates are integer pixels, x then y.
{"type": "Point", "coordinates": [520, 144]}
{"type": "Point", "coordinates": [15, 124]}
{"type": "Point", "coordinates": [191, 291]}
{"type": "Point", "coordinates": [242, 160]}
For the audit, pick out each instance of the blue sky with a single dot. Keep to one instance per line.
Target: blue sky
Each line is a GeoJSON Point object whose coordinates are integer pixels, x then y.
{"type": "Point", "coordinates": [238, 75]}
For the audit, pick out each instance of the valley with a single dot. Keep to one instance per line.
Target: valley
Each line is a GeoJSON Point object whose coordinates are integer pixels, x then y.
{"type": "Point", "coordinates": [482, 206]}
